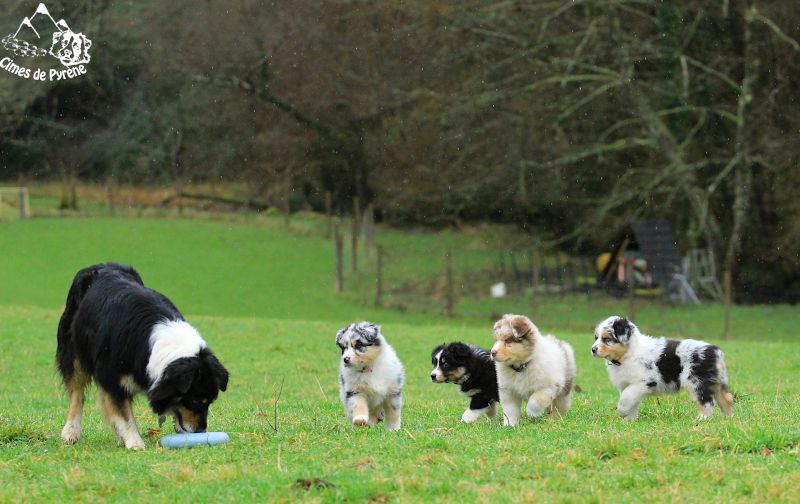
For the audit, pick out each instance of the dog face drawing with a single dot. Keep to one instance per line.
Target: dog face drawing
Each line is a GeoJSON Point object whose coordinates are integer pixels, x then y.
{"type": "Point", "coordinates": [71, 48]}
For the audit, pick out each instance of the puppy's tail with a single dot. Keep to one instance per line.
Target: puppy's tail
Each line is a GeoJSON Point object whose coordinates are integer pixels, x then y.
{"type": "Point", "coordinates": [724, 397]}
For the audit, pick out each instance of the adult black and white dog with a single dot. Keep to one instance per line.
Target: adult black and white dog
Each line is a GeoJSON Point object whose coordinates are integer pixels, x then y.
{"type": "Point", "coordinates": [129, 339]}
{"type": "Point", "coordinates": [473, 370]}
{"type": "Point", "coordinates": [639, 366]}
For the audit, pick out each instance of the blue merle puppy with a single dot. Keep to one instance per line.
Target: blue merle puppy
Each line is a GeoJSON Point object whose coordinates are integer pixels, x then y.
{"type": "Point", "coordinates": [473, 370]}
{"type": "Point", "coordinates": [370, 376]}
{"type": "Point", "coordinates": [641, 366]}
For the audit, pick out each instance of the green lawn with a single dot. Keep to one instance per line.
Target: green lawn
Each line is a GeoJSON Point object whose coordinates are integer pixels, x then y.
{"type": "Point", "coordinates": [263, 299]}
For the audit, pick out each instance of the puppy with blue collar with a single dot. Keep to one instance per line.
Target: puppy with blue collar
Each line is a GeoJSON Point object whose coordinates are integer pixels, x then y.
{"type": "Point", "coordinates": [533, 368]}
{"type": "Point", "coordinates": [640, 366]}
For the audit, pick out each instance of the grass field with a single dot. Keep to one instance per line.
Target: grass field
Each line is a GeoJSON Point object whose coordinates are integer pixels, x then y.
{"type": "Point", "coordinates": [263, 299]}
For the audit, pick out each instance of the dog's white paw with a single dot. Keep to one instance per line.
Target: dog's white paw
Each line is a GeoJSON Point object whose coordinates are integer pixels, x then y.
{"type": "Point", "coordinates": [134, 444]}
{"type": "Point", "coordinates": [71, 433]}
{"type": "Point", "coordinates": [361, 420]}
{"type": "Point", "coordinates": [470, 416]}
{"type": "Point", "coordinates": [507, 422]}
{"type": "Point", "coordinates": [393, 427]}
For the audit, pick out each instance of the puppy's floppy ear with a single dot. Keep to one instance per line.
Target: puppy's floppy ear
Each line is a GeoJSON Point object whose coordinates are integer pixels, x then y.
{"type": "Point", "coordinates": [521, 326]}
{"type": "Point", "coordinates": [622, 330]}
{"type": "Point", "coordinates": [341, 332]}
{"type": "Point", "coordinates": [437, 350]}
{"type": "Point", "coordinates": [460, 350]}
{"type": "Point", "coordinates": [218, 370]}
{"type": "Point", "coordinates": [368, 331]}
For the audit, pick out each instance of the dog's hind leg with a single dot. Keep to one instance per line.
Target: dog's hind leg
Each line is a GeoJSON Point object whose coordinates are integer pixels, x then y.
{"type": "Point", "coordinates": [76, 384]}
{"type": "Point", "coordinates": [724, 399]}
{"type": "Point", "coordinates": [119, 414]}
{"type": "Point", "coordinates": [561, 405]}
{"type": "Point", "coordinates": [393, 406]}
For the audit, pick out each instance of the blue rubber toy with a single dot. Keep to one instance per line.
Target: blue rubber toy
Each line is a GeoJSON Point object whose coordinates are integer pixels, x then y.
{"type": "Point", "coordinates": [194, 439]}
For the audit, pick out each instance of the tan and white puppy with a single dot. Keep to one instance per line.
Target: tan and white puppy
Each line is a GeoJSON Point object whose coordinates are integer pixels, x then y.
{"type": "Point", "coordinates": [370, 376]}
{"type": "Point", "coordinates": [533, 368]}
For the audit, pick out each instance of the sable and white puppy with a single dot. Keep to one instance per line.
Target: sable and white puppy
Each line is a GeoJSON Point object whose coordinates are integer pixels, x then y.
{"type": "Point", "coordinates": [641, 366]}
{"type": "Point", "coordinates": [472, 369]}
{"type": "Point", "coordinates": [370, 376]}
{"type": "Point", "coordinates": [533, 368]}
{"type": "Point", "coordinates": [130, 339]}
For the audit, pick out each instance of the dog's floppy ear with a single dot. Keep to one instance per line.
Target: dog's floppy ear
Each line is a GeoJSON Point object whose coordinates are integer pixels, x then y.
{"type": "Point", "coordinates": [218, 370]}
{"type": "Point", "coordinates": [340, 334]}
{"type": "Point", "coordinates": [437, 350]}
{"type": "Point", "coordinates": [176, 380]}
{"type": "Point", "coordinates": [368, 331]}
{"type": "Point", "coordinates": [181, 373]}
{"type": "Point", "coordinates": [622, 330]}
{"type": "Point", "coordinates": [460, 350]}
{"type": "Point", "coordinates": [521, 326]}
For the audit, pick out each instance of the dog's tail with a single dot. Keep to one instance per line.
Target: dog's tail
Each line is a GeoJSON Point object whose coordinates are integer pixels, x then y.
{"type": "Point", "coordinates": [723, 396]}
{"type": "Point", "coordinates": [65, 355]}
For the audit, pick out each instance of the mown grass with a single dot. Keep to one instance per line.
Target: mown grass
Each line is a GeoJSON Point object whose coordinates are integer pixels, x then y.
{"type": "Point", "coordinates": [590, 455]}
{"type": "Point", "coordinates": [262, 297]}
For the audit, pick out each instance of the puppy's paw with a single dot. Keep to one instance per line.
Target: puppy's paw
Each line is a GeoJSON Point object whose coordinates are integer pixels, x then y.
{"type": "Point", "coordinates": [71, 433]}
{"type": "Point", "coordinates": [507, 422]}
{"type": "Point", "coordinates": [361, 420]}
{"type": "Point", "coordinates": [393, 426]}
{"type": "Point", "coordinates": [470, 416]}
{"type": "Point", "coordinates": [629, 418]}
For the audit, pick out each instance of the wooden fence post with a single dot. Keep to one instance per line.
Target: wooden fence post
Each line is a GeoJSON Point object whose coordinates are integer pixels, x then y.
{"type": "Point", "coordinates": [631, 290]}
{"type": "Point", "coordinates": [354, 244]}
{"type": "Point", "coordinates": [379, 278]}
{"type": "Point", "coordinates": [535, 266]}
{"type": "Point", "coordinates": [22, 199]}
{"type": "Point", "coordinates": [328, 214]}
{"type": "Point", "coordinates": [449, 281]}
{"type": "Point", "coordinates": [110, 194]}
{"type": "Point", "coordinates": [369, 229]}
{"type": "Point", "coordinates": [727, 289]}
{"type": "Point", "coordinates": [337, 246]}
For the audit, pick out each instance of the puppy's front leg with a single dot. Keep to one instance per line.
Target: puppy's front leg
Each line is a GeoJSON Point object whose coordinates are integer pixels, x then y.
{"type": "Point", "coordinates": [478, 405]}
{"type": "Point", "coordinates": [357, 410]}
{"type": "Point", "coordinates": [539, 402]}
{"type": "Point", "coordinates": [392, 407]}
{"type": "Point", "coordinates": [629, 401]}
{"type": "Point", "coordinates": [511, 408]}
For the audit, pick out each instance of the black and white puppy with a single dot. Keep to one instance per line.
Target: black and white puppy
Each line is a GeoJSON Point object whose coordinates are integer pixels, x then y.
{"type": "Point", "coordinates": [370, 376]}
{"type": "Point", "coordinates": [130, 339]}
{"type": "Point", "coordinates": [473, 370]}
{"type": "Point", "coordinates": [641, 366]}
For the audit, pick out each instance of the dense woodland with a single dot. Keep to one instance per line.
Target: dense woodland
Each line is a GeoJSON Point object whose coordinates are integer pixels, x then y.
{"type": "Point", "coordinates": [567, 118]}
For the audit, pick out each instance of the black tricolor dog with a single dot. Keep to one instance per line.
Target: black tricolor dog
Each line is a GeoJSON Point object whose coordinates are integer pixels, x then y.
{"type": "Point", "coordinates": [129, 339]}
{"type": "Point", "coordinates": [471, 368]}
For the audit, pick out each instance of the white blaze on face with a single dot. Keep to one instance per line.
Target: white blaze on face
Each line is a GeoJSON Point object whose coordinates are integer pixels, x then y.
{"type": "Point", "coordinates": [169, 341]}
{"type": "Point", "coordinates": [437, 374]}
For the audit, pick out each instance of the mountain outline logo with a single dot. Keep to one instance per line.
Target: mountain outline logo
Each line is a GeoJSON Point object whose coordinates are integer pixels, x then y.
{"type": "Point", "coordinates": [68, 47]}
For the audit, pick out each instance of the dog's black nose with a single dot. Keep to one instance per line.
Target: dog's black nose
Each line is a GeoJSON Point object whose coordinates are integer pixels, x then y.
{"type": "Point", "coordinates": [594, 351]}
{"type": "Point", "coordinates": [433, 377]}
{"type": "Point", "coordinates": [347, 360]}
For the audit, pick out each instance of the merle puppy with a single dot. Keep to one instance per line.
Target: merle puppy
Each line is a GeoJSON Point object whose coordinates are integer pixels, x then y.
{"type": "Point", "coordinates": [640, 366]}
{"type": "Point", "coordinates": [473, 370]}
